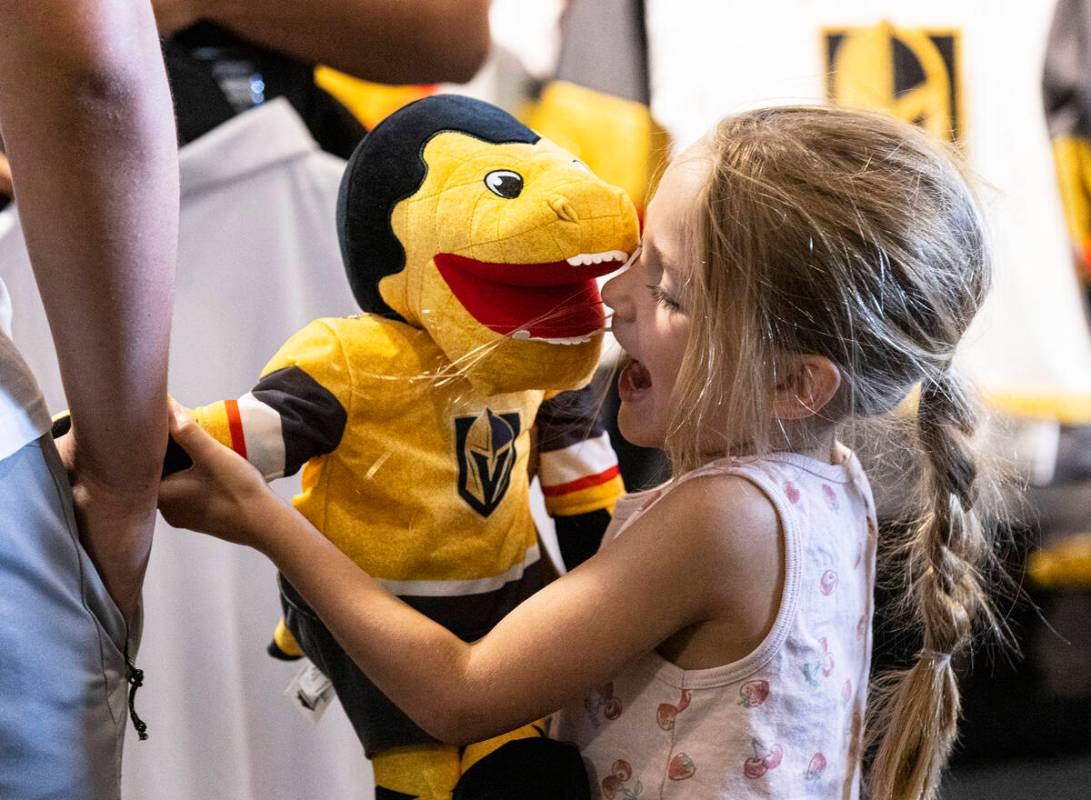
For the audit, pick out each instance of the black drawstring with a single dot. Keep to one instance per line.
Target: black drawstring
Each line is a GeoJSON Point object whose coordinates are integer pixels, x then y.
{"type": "Point", "coordinates": [135, 677]}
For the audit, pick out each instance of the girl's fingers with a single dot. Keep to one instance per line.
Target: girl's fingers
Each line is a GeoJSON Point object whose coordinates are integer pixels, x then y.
{"type": "Point", "coordinates": [217, 491]}
{"type": "Point", "coordinates": [179, 492]}
{"type": "Point", "coordinates": [178, 416]}
{"type": "Point", "coordinates": [190, 436]}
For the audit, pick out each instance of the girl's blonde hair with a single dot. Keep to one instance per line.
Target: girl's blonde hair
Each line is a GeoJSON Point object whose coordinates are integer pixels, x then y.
{"type": "Point", "coordinates": [853, 236]}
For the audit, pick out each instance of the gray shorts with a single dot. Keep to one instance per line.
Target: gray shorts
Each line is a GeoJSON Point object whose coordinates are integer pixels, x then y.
{"type": "Point", "coordinates": [62, 669]}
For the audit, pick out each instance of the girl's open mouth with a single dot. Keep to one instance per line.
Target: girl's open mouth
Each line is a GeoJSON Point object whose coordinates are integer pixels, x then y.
{"type": "Point", "coordinates": [633, 380]}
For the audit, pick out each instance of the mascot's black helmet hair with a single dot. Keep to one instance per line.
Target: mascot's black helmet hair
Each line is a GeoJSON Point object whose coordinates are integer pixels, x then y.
{"type": "Point", "coordinates": [387, 167]}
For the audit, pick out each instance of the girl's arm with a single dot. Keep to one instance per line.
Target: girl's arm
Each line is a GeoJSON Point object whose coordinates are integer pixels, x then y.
{"type": "Point", "coordinates": [670, 570]}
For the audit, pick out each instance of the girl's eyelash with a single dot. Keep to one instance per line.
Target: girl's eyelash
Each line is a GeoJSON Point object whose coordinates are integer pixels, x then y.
{"type": "Point", "coordinates": [664, 299]}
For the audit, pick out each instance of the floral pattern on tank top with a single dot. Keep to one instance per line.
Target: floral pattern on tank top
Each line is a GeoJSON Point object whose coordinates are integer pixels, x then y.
{"type": "Point", "coordinates": [786, 721]}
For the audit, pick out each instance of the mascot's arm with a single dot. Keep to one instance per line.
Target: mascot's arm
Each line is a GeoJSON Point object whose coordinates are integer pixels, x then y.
{"type": "Point", "coordinates": [578, 472]}
{"type": "Point", "coordinates": [296, 412]}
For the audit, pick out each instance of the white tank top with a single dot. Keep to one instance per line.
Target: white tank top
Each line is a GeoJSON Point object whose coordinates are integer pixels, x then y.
{"type": "Point", "coordinates": [786, 721]}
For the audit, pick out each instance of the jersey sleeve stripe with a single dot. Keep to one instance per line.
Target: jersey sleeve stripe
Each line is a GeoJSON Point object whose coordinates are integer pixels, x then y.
{"type": "Point", "coordinates": [593, 498]}
{"type": "Point", "coordinates": [234, 424]}
{"type": "Point", "coordinates": [581, 483]}
{"type": "Point", "coordinates": [312, 419]}
{"type": "Point", "coordinates": [576, 461]}
{"type": "Point", "coordinates": [264, 436]}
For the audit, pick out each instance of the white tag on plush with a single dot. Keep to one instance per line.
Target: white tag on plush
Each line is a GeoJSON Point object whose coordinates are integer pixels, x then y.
{"type": "Point", "coordinates": [310, 692]}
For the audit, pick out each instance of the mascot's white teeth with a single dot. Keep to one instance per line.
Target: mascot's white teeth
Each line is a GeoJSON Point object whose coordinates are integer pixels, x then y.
{"type": "Point", "coordinates": [524, 335]}
{"type": "Point", "coordinates": [583, 259]}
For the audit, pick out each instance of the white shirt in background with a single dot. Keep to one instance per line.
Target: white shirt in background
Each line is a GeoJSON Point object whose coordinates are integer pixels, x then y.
{"type": "Point", "coordinates": [23, 416]}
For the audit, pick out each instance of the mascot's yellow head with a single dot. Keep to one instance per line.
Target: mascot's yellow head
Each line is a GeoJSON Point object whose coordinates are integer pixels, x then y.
{"type": "Point", "coordinates": [456, 218]}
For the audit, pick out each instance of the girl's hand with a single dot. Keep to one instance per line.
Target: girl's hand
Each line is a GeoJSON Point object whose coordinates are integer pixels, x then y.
{"type": "Point", "coordinates": [221, 494]}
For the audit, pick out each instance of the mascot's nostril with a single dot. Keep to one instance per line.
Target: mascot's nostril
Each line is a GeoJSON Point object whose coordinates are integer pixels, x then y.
{"type": "Point", "coordinates": [564, 209]}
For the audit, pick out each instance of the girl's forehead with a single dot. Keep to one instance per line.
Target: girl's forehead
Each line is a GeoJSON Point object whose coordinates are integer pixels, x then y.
{"type": "Point", "coordinates": [680, 186]}
{"type": "Point", "coordinates": [673, 209]}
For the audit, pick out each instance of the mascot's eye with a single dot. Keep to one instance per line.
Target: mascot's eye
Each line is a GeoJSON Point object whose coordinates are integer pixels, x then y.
{"type": "Point", "coordinates": [504, 183]}
{"type": "Point", "coordinates": [580, 165]}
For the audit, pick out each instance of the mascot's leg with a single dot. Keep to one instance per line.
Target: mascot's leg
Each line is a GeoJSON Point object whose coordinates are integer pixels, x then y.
{"type": "Point", "coordinates": [428, 772]}
{"type": "Point", "coordinates": [473, 753]}
{"type": "Point", "coordinates": [408, 764]}
{"type": "Point", "coordinates": [284, 645]}
{"type": "Point", "coordinates": [522, 765]}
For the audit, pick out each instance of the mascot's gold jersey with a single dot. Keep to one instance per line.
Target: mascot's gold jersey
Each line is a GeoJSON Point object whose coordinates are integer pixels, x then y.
{"type": "Point", "coordinates": [474, 244]}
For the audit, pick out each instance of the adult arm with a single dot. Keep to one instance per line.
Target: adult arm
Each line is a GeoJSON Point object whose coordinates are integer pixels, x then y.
{"type": "Point", "coordinates": [388, 41]}
{"type": "Point", "coordinates": [716, 558]}
{"type": "Point", "coordinates": [89, 132]}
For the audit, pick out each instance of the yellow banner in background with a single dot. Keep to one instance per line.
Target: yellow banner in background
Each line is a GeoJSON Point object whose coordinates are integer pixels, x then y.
{"type": "Point", "coordinates": [912, 73]}
{"type": "Point", "coordinates": [369, 102]}
{"type": "Point", "coordinates": [617, 138]}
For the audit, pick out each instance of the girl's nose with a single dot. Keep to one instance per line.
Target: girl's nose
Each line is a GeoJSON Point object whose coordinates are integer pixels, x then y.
{"type": "Point", "coordinates": [615, 294]}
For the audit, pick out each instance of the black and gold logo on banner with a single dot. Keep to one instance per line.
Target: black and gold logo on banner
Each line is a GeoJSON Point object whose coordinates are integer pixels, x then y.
{"type": "Point", "coordinates": [913, 73]}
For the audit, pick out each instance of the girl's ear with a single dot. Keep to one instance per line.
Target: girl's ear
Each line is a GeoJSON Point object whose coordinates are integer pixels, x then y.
{"type": "Point", "coordinates": [804, 387]}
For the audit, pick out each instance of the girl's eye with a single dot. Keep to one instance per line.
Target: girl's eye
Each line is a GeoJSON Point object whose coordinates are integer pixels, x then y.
{"type": "Point", "coordinates": [664, 299]}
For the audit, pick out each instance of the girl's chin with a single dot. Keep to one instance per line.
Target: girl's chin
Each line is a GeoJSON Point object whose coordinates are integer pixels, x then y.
{"type": "Point", "coordinates": [636, 427]}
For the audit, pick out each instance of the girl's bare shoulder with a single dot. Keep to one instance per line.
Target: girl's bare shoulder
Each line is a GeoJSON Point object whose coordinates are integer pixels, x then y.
{"type": "Point", "coordinates": [715, 504]}
{"type": "Point", "coordinates": [728, 525]}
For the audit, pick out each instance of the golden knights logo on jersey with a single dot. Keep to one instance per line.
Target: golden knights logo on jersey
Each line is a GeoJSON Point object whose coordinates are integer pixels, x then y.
{"type": "Point", "coordinates": [912, 73]}
{"type": "Point", "coordinates": [486, 455]}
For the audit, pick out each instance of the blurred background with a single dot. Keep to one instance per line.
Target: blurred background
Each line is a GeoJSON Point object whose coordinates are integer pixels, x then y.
{"type": "Point", "coordinates": [270, 103]}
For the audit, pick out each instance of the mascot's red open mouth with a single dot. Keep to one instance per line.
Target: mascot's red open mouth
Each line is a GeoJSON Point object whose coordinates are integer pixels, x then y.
{"type": "Point", "coordinates": [558, 300]}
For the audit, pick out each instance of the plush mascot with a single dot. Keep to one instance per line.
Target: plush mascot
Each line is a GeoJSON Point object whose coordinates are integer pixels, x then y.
{"type": "Point", "coordinates": [473, 245]}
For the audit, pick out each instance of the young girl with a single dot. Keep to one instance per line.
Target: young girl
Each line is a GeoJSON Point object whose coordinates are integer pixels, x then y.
{"type": "Point", "coordinates": [801, 267]}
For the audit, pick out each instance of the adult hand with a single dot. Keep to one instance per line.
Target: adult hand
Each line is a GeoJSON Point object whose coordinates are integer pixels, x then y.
{"type": "Point", "coordinates": [115, 524]}
{"type": "Point", "coordinates": [174, 15]}
{"type": "Point", "coordinates": [222, 494]}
